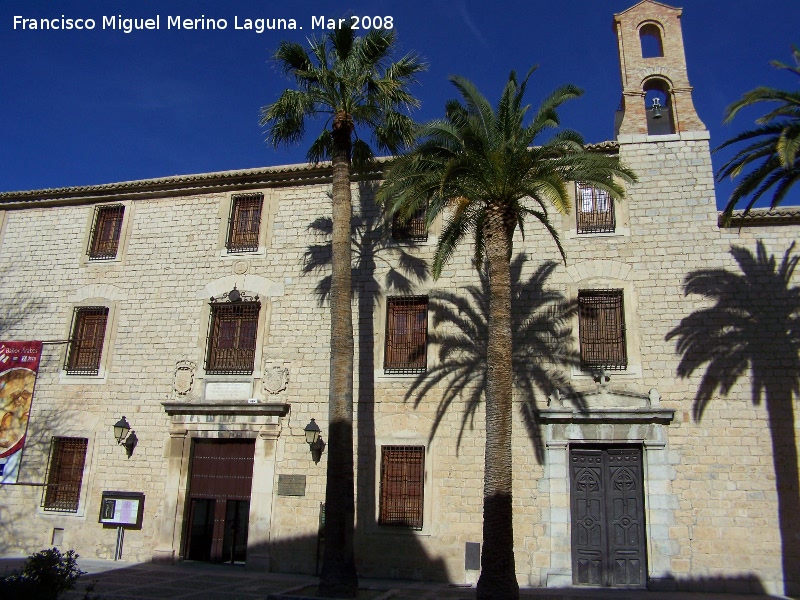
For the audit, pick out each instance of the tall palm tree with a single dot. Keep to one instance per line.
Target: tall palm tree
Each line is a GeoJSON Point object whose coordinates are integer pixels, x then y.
{"type": "Point", "coordinates": [773, 153]}
{"type": "Point", "coordinates": [352, 83]}
{"type": "Point", "coordinates": [754, 324]}
{"type": "Point", "coordinates": [479, 166]}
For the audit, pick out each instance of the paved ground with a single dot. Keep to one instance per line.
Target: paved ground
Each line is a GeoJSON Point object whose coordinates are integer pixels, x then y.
{"type": "Point", "coordinates": [200, 581]}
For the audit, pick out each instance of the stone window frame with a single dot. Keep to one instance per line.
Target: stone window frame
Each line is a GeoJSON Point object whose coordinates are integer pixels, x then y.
{"type": "Point", "coordinates": [44, 449]}
{"type": "Point", "coordinates": [569, 222]}
{"type": "Point", "coordinates": [394, 371]}
{"type": "Point", "coordinates": [225, 214]}
{"type": "Point", "coordinates": [409, 503]}
{"type": "Point", "coordinates": [109, 336]}
{"type": "Point", "coordinates": [124, 235]}
{"type": "Point", "coordinates": [630, 305]}
{"type": "Point", "coordinates": [3, 224]}
{"type": "Point", "coordinates": [403, 437]}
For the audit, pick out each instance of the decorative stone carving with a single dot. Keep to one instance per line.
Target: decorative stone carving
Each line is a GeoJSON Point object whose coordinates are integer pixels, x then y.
{"type": "Point", "coordinates": [184, 377]}
{"type": "Point", "coordinates": [276, 376]}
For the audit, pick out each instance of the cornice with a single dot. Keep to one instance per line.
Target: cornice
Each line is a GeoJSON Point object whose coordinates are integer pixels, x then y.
{"type": "Point", "coordinates": [789, 215]}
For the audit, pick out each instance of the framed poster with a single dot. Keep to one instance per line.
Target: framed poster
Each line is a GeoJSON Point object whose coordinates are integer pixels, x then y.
{"type": "Point", "coordinates": [122, 509]}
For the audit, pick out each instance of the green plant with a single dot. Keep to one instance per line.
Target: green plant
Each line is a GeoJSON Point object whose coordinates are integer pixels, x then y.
{"type": "Point", "coordinates": [46, 575]}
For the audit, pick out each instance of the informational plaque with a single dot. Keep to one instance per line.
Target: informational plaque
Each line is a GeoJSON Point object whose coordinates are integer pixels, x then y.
{"type": "Point", "coordinates": [291, 485]}
{"type": "Point", "coordinates": [122, 509]}
{"type": "Point", "coordinates": [228, 390]}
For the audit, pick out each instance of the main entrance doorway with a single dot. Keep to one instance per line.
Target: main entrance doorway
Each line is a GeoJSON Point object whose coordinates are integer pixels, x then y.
{"type": "Point", "coordinates": [607, 515]}
{"type": "Point", "coordinates": [219, 500]}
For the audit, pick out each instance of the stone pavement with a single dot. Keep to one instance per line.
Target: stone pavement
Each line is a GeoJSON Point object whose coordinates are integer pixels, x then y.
{"type": "Point", "coordinates": [201, 581]}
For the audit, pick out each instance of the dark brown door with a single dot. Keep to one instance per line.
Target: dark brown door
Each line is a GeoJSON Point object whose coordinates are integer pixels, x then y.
{"type": "Point", "coordinates": [219, 500]}
{"type": "Point", "coordinates": [607, 510]}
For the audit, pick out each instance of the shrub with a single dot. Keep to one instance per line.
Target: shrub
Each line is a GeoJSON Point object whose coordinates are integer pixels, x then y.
{"type": "Point", "coordinates": [46, 575]}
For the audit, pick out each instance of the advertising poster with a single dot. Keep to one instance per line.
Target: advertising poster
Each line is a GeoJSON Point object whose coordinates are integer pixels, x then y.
{"type": "Point", "coordinates": [19, 364]}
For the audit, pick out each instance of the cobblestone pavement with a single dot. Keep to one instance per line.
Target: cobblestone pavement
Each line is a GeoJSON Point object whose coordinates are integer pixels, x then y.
{"type": "Point", "coordinates": [200, 581]}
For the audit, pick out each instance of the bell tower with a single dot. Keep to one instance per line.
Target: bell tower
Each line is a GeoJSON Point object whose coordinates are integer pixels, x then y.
{"type": "Point", "coordinates": [656, 95]}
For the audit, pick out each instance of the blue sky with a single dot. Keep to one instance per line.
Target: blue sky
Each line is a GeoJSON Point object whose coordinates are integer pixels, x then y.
{"type": "Point", "coordinates": [83, 107]}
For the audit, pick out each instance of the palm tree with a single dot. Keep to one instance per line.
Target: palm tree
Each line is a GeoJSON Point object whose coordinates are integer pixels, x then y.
{"type": "Point", "coordinates": [351, 82]}
{"type": "Point", "coordinates": [479, 166]}
{"type": "Point", "coordinates": [755, 324]}
{"type": "Point", "coordinates": [773, 153]}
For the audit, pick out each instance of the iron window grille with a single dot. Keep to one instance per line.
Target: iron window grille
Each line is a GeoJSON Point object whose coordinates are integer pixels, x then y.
{"type": "Point", "coordinates": [232, 332]}
{"type": "Point", "coordinates": [413, 229]}
{"type": "Point", "coordinates": [402, 486]}
{"type": "Point", "coordinates": [244, 223]}
{"type": "Point", "coordinates": [86, 340]}
{"type": "Point", "coordinates": [602, 329]}
{"type": "Point", "coordinates": [406, 335]}
{"type": "Point", "coordinates": [595, 210]}
{"type": "Point", "coordinates": [106, 230]}
{"type": "Point", "coordinates": [64, 474]}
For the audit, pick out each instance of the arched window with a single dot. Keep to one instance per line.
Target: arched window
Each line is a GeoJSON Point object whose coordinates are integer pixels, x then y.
{"type": "Point", "coordinates": [650, 36]}
{"type": "Point", "coordinates": [658, 108]}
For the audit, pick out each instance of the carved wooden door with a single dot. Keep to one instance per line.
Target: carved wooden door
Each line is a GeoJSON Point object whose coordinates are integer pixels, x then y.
{"type": "Point", "coordinates": [607, 513]}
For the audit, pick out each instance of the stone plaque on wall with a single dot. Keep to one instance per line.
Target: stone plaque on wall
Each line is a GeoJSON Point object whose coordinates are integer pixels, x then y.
{"type": "Point", "coordinates": [291, 485]}
{"type": "Point", "coordinates": [228, 390]}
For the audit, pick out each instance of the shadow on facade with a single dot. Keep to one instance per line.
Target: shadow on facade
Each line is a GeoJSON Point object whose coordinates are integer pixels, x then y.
{"type": "Point", "coordinates": [374, 252]}
{"type": "Point", "coordinates": [542, 347]}
{"type": "Point", "coordinates": [754, 324]}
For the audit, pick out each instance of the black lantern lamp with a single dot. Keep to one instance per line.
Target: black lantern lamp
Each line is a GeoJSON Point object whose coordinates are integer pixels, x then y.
{"type": "Point", "coordinates": [314, 440]}
{"type": "Point", "coordinates": [124, 436]}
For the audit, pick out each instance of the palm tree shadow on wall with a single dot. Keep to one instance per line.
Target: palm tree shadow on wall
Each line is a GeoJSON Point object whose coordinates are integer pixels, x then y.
{"type": "Point", "coordinates": [374, 252]}
{"type": "Point", "coordinates": [542, 347]}
{"type": "Point", "coordinates": [754, 324]}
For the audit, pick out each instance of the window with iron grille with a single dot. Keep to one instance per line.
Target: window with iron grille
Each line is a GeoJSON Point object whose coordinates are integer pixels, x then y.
{"type": "Point", "coordinates": [64, 474]}
{"type": "Point", "coordinates": [402, 486]}
{"type": "Point", "coordinates": [412, 229]}
{"type": "Point", "coordinates": [406, 335]}
{"type": "Point", "coordinates": [232, 338]}
{"type": "Point", "coordinates": [602, 329]}
{"type": "Point", "coordinates": [244, 222]}
{"type": "Point", "coordinates": [86, 340]}
{"type": "Point", "coordinates": [105, 234]}
{"type": "Point", "coordinates": [595, 210]}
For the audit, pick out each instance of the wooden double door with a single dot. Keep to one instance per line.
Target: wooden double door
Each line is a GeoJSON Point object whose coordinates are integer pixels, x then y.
{"type": "Point", "coordinates": [607, 515]}
{"type": "Point", "coordinates": [218, 510]}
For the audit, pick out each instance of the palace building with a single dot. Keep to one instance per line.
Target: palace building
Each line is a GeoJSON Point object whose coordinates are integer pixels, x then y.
{"type": "Point", "coordinates": [191, 312]}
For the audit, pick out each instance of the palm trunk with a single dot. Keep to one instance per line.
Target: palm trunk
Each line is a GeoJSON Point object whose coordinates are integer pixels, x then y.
{"type": "Point", "coordinates": [338, 578]}
{"type": "Point", "coordinates": [784, 456]}
{"type": "Point", "coordinates": [498, 579]}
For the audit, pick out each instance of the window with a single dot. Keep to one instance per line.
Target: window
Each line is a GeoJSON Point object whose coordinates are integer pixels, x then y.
{"type": "Point", "coordinates": [232, 338]}
{"type": "Point", "coordinates": [244, 223]}
{"type": "Point", "coordinates": [650, 37]}
{"type": "Point", "coordinates": [86, 340]}
{"type": "Point", "coordinates": [64, 474]}
{"type": "Point", "coordinates": [406, 335]}
{"type": "Point", "coordinates": [402, 485]}
{"type": "Point", "coordinates": [595, 209]}
{"type": "Point", "coordinates": [602, 329]}
{"type": "Point", "coordinates": [106, 230]}
{"type": "Point", "coordinates": [413, 229]}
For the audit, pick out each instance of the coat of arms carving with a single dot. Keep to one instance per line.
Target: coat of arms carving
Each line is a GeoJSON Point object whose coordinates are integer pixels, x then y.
{"type": "Point", "coordinates": [276, 377]}
{"type": "Point", "coordinates": [184, 377]}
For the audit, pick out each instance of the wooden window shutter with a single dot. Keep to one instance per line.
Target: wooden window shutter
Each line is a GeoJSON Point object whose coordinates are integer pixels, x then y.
{"type": "Point", "coordinates": [106, 230]}
{"type": "Point", "coordinates": [65, 474]}
{"type": "Point", "coordinates": [602, 329]}
{"type": "Point", "coordinates": [244, 223]}
{"type": "Point", "coordinates": [402, 486]}
{"type": "Point", "coordinates": [86, 340]}
{"type": "Point", "coordinates": [406, 335]}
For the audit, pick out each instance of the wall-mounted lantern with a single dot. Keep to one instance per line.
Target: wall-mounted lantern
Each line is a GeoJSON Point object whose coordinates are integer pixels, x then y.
{"type": "Point", "coordinates": [124, 436]}
{"type": "Point", "coordinates": [314, 440]}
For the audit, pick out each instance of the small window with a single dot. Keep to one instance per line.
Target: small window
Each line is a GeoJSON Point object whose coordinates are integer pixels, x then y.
{"type": "Point", "coordinates": [232, 338]}
{"type": "Point", "coordinates": [602, 329]}
{"type": "Point", "coordinates": [650, 37]}
{"type": "Point", "coordinates": [595, 210]}
{"type": "Point", "coordinates": [64, 474]}
{"type": "Point", "coordinates": [106, 230]}
{"type": "Point", "coordinates": [86, 340]}
{"type": "Point", "coordinates": [244, 223]}
{"type": "Point", "coordinates": [402, 486]}
{"type": "Point", "coordinates": [414, 229]}
{"type": "Point", "coordinates": [406, 335]}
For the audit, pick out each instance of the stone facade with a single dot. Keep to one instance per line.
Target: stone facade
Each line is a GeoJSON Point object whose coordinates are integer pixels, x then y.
{"type": "Point", "coordinates": [710, 501]}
